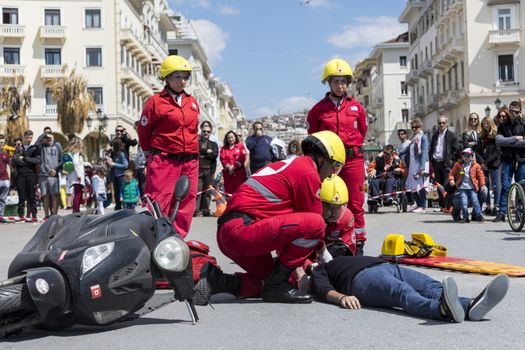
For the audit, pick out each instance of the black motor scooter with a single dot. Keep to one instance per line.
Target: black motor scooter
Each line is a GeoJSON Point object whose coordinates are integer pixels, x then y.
{"type": "Point", "coordinates": [96, 270]}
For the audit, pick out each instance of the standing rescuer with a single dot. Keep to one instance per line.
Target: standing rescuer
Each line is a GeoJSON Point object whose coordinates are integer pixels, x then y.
{"type": "Point", "coordinates": [343, 115]}
{"type": "Point", "coordinates": [168, 133]}
{"type": "Point", "coordinates": [277, 209]}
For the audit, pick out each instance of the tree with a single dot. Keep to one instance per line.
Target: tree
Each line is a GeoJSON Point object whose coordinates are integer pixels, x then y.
{"type": "Point", "coordinates": [73, 101]}
{"type": "Point", "coordinates": [14, 103]}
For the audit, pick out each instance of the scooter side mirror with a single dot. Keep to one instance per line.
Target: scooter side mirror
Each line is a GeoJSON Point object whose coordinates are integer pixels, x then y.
{"type": "Point", "coordinates": [181, 187]}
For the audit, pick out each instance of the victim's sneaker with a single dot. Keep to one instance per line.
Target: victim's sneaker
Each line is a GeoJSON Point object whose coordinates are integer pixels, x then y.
{"type": "Point", "coordinates": [493, 293]}
{"type": "Point", "coordinates": [450, 304]}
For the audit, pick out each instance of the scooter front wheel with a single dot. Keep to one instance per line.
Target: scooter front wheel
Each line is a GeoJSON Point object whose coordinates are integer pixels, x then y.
{"type": "Point", "coordinates": [16, 308]}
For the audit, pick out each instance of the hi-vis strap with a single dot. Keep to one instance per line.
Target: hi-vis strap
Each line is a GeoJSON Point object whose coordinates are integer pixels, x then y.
{"type": "Point", "coordinates": [418, 249]}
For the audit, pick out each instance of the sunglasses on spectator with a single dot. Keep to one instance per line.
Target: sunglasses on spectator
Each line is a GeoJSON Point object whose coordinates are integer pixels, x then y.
{"type": "Point", "coordinates": [206, 131]}
{"type": "Point", "coordinates": [473, 119]}
{"type": "Point", "coordinates": [119, 130]}
{"type": "Point", "coordinates": [258, 128]}
{"type": "Point", "coordinates": [415, 127]}
{"type": "Point", "coordinates": [238, 135]}
{"type": "Point", "coordinates": [388, 154]}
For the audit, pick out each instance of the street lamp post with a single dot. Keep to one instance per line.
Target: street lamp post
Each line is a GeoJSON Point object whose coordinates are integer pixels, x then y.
{"type": "Point", "coordinates": [497, 103]}
{"type": "Point", "coordinates": [487, 111]}
{"type": "Point", "coordinates": [102, 125]}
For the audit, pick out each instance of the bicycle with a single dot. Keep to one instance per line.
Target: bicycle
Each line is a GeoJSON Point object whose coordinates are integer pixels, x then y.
{"type": "Point", "coordinates": [516, 206]}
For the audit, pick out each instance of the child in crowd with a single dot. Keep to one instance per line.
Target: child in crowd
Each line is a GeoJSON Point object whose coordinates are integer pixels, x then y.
{"type": "Point", "coordinates": [99, 189]}
{"type": "Point", "coordinates": [469, 179]}
{"type": "Point", "coordinates": [129, 192]}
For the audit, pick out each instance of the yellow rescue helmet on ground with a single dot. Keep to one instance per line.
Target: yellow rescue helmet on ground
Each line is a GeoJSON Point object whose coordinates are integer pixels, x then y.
{"type": "Point", "coordinates": [328, 143]}
{"type": "Point", "coordinates": [337, 68]}
{"type": "Point", "coordinates": [334, 191]}
{"type": "Point", "coordinates": [173, 63]}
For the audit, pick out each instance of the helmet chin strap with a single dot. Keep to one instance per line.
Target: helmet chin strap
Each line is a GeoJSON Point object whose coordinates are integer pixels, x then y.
{"type": "Point", "coordinates": [173, 92]}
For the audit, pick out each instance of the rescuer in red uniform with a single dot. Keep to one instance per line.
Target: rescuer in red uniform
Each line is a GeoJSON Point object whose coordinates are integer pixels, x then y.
{"type": "Point", "coordinates": [339, 233]}
{"type": "Point", "coordinates": [277, 209]}
{"type": "Point", "coordinates": [168, 132]}
{"type": "Point", "coordinates": [343, 115]}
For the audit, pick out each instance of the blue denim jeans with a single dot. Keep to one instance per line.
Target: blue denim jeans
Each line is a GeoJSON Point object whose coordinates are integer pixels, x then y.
{"type": "Point", "coordinates": [509, 169]}
{"type": "Point", "coordinates": [469, 195]}
{"type": "Point", "coordinates": [388, 285]}
{"type": "Point", "coordinates": [492, 177]}
{"type": "Point", "coordinates": [4, 191]}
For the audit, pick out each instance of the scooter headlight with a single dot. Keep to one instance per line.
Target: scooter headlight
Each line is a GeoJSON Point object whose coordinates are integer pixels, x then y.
{"type": "Point", "coordinates": [94, 255]}
{"type": "Point", "coordinates": [172, 254]}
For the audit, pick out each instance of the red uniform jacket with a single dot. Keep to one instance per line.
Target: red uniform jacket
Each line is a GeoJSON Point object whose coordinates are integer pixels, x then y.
{"type": "Point", "coordinates": [349, 121]}
{"type": "Point", "coordinates": [342, 229]}
{"type": "Point", "coordinates": [283, 187]}
{"type": "Point", "coordinates": [235, 156]}
{"type": "Point", "coordinates": [166, 126]}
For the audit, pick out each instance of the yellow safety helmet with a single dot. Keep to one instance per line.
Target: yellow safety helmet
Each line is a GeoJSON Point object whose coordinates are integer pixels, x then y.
{"type": "Point", "coordinates": [334, 191]}
{"type": "Point", "coordinates": [173, 63]}
{"type": "Point", "coordinates": [337, 68]}
{"type": "Point", "coordinates": [328, 143]}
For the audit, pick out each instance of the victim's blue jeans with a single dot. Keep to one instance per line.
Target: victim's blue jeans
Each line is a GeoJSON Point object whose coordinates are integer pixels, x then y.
{"type": "Point", "coordinates": [509, 169]}
{"type": "Point", "coordinates": [388, 285]}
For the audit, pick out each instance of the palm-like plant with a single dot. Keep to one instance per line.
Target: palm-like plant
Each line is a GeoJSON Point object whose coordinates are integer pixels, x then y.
{"type": "Point", "coordinates": [14, 103]}
{"type": "Point", "coordinates": [73, 100]}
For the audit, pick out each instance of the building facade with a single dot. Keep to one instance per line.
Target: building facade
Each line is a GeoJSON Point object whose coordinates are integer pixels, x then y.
{"type": "Point", "coordinates": [381, 88]}
{"type": "Point", "coordinates": [464, 57]}
{"type": "Point", "coordinates": [116, 45]}
{"type": "Point", "coordinates": [214, 96]}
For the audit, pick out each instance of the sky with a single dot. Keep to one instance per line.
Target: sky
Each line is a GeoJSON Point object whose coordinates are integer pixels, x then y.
{"type": "Point", "coordinates": [272, 52]}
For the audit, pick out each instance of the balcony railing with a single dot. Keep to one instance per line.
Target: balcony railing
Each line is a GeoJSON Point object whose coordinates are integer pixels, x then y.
{"type": "Point", "coordinates": [449, 99]}
{"type": "Point", "coordinates": [11, 70]}
{"type": "Point", "coordinates": [50, 110]}
{"type": "Point", "coordinates": [11, 31]}
{"type": "Point", "coordinates": [52, 71]}
{"type": "Point", "coordinates": [426, 70]}
{"type": "Point", "coordinates": [157, 48]}
{"type": "Point", "coordinates": [134, 79]}
{"type": "Point", "coordinates": [505, 37]}
{"type": "Point", "coordinates": [154, 83]}
{"type": "Point", "coordinates": [52, 33]}
{"type": "Point", "coordinates": [134, 44]}
{"type": "Point", "coordinates": [433, 102]}
{"type": "Point", "coordinates": [411, 78]}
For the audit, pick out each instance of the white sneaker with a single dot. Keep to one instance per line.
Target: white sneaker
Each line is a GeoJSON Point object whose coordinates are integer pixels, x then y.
{"type": "Point", "coordinates": [419, 210]}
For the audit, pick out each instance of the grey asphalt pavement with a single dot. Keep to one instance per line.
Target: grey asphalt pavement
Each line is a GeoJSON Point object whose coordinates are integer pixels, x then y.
{"type": "Point", "coordinates": [251, 324]}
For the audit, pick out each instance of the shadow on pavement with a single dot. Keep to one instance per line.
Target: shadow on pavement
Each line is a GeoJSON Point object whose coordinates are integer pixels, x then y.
{"type": "Point", "coordinates": [35, 333]}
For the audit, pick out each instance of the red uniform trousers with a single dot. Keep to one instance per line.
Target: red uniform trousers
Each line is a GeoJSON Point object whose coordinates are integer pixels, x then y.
{"type": "Point", "coordinates": [161, 176]}
{"type": "Point", "coordinates": [294, 235]}
{"type": "Point", "coordinates": [353, 174]}
{"type": "Point", "coordinates": [232, 182]}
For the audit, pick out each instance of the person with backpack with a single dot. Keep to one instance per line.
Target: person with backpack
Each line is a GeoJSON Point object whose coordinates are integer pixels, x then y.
{"type": "Point", "coordinates": [276, 209]}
